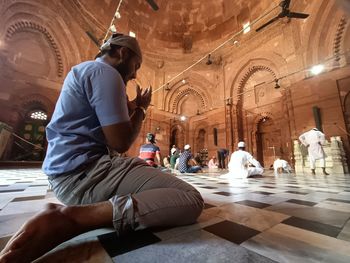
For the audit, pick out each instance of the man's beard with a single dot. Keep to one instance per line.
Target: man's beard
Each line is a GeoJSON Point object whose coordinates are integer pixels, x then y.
{"type": "Point", "coordinates": [123, 71]}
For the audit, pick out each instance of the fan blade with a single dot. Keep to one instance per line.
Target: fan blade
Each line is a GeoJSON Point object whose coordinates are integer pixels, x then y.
{"type": "Point", "coordinates": [93, 38]}
{"type": "Point", "coordinates": [285, 4]}
{"type": "Point", "coordinates": [297, 15]}
{"type": "Point", "coordinates": [268, 23]}
{"type": "Point", "coordinates": [153, 4]}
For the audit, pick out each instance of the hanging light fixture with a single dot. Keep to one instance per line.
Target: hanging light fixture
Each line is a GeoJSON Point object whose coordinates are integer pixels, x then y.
{"type": "Point", "coordinates": [277, 85]}
{"type": "Point", "coordinates": [209, 61]}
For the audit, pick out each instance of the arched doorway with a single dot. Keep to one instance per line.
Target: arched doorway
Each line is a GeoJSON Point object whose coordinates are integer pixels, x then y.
{"type": "Point", "coordinates": [177, 137]}
{"type": "Point", "coordinates": [33, 134]}
{"type": "Point", "coordinates": [200, 140]}
{"type": "Point", "coordinates": [268, 140]}
{"type": "Point", "coordinates": [200, 147]}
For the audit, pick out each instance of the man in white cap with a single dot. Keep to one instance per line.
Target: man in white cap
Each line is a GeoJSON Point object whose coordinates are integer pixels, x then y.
{"type": "Point", "coordinates": [100, 190]}
{"type": "Point", "coordinates": [240, 164]}
{"type": "Point", "coordinates": [281, 166]}
{"type": "Point", "coordinates": [185, 158]}
{"type": "Point", "coordinates": [313, 140]}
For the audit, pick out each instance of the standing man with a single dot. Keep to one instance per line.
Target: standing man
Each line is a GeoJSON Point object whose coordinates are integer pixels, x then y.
{"type": "Point", "coordinates": [185, 158]}
{"type": "Point", "coordinates": [222, 154]}
{"type": "Point", "coordinates": [149, 151]}
{"type": "Point", "coordinates": [313, 140]}
{"type": "Point", "coordinates": [239, 165]}
{"type": "Point", "coordinates": [100, 190]}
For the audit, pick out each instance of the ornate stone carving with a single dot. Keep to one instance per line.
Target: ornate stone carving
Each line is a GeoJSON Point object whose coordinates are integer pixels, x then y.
{"type": "Point", "coordinates": [338, 39]}
{"type": "Point", "coordinates": [183, 93]}
{"type": "Point", "coordinates": [22, 26]}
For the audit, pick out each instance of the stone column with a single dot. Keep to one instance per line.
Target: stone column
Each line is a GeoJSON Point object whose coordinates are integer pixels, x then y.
{"type": "Point", "coordinates": [298, 158]}
{"type": "Point", "coordinates": [337, 166]}
{"type": "Point", "coordinates": [343, 154]}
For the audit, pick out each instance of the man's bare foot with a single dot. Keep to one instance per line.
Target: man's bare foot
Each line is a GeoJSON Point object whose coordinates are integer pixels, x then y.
{"type": "Point", "coordinates": [40, 234]}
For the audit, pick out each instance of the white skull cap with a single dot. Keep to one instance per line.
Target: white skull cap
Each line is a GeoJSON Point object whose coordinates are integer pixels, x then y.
{"type": "Point", "coordinates": [241, 144]}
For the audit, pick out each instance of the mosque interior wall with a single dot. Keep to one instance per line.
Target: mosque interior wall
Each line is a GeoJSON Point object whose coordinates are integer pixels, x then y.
{"type": "Point", "coordinates": [234, 98]}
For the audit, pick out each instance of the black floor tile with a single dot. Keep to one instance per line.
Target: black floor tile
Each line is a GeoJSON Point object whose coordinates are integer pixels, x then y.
{"type": "Point", "coordinates": [28, 198]}
{"type": "Point", "coordinates": [338, 200]}
{"type": "Point", "coordinates": [262, 193]}
{"type": "Point", "coordinates": [13, 190]}
{"type": "Point", "coordinates": [297, 192]}
{"type": "Point", "coordinates": [224, 193]}
{"type": "Point", "coordinates": [208, 187]}
{"type": "Point", "coordinates": [301, 202]}
{"type": "Point", "coordinates": [134, 240]}
{"type": "Point", "coordinates": [232, 232]}
{"type": "Point", "coordinates": [253, 204]}
{"type": "Point", "coordinates": [313, 226]}
{"type": "Point", "coordinates": [331, 192]}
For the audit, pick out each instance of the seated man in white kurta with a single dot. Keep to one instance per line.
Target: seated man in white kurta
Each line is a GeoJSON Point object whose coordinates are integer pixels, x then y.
{"type": "Point", "coordinates": [240, 164]}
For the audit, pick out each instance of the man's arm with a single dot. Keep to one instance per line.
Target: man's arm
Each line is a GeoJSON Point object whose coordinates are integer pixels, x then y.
{"type": "Point", "coordinates": [120, 136]}
{"type": "Point", "coordinates": [159, 158]}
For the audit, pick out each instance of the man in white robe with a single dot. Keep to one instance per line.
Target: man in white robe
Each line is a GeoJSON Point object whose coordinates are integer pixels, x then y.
{"type": "Point", "coordinates": [280, 166]}
{"type": "Point", "coordinates": [239, 165]}
{"type": "Point", "coordinates": [313, 140]}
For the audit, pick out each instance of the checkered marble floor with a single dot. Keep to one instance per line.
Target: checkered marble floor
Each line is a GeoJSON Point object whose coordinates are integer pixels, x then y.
{"type": "Point", "coordinates": [285, 219]}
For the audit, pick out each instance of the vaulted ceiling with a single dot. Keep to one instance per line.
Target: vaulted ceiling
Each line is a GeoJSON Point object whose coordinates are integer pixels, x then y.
{"type": "Point", "coordinates": [182, 26]}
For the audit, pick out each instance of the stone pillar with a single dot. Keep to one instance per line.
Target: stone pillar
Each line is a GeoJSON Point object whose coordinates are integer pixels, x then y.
{"type": "Point", "coordinates": [337, 166]}
{"type": "Point", "coordinates": [298, 158]}
{"type": "Point", "coordinates": [343, 154]}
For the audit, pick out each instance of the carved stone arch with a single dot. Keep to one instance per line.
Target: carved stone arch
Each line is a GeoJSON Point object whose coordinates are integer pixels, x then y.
{"type": "Point", "coordinates": [183, 93]}
{"type": "Point", "coordinates": [260, 117]}
{"type": "Point", "coordinates": [320, 31]}
{"type": "Point", "coordinates": [338, 48]}
{"type": "Point", "coordinates": [35, 101]}
{"type": "Point", "coordinates": [249, 73]}
{"type": "Point", "coordinates": [195, 83]}
{"type": "Point", "coordinates": [24, 25]}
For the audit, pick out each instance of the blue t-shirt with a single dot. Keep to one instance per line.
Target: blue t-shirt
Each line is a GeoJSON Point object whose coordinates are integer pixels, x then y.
{"type": "Point", "coordinates": [93, 95]}
{"type": "Point", "coordinates": [183, 161]}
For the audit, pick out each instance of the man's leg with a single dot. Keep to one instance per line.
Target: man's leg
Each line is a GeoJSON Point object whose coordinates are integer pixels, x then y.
{"type": "Point", "coordinates": [53, 226]}
{"type": "Point", "coordinates": [139, 193]}
{"type": "Point", "coordinates": [194, 169]}
{"type": "Point", "coordinates": [255, 171]}
{"type": "Point", "coordinates": [219, 159]}
{"type": "Point", "coordinates": [139, 197]}
{"type": "Point", "coordinates": [323, 166]}
{"type": "Point", "coordinates": [312, 165]}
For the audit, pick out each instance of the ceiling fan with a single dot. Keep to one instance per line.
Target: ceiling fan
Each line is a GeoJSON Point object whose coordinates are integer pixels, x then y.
{"type": "Point", "coordinates": [153, 4]}
{"type": "Point", "coordinates": [284, 13]}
